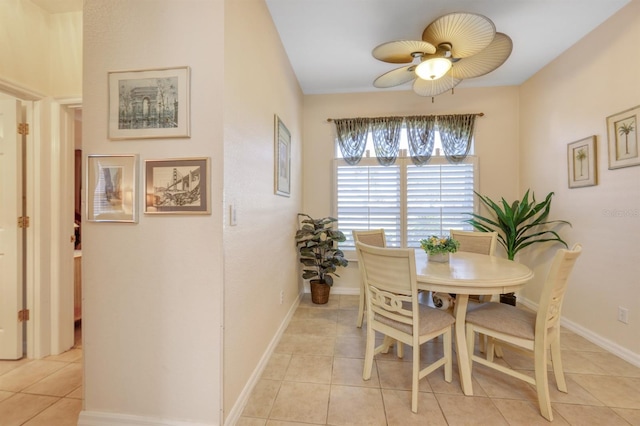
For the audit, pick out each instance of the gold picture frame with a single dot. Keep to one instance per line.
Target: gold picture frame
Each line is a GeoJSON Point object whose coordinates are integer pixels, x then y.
{"type": "Point", "coordinates": [622, 131]}
{"type": "Point", "coordinates": [111, 192]}
{"type": "Point", "coordinates": [177, 186]}
{"type": "Point", "coordinates": [582, 161]}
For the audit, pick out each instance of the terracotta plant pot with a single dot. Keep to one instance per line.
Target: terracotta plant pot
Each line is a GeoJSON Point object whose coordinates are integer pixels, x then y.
{"type": "Point", "coordinates": [319, 292]}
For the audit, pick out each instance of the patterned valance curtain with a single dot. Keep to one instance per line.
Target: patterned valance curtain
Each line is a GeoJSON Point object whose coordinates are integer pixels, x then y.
{"type": "Point", "coordinates": [352, 137]}
{"type": "Point", "coordinates": [456, 132]}
{"type": "Point", "coordinates": [386, 138]}
{"type": "Point", "coordinates": [421, 136]}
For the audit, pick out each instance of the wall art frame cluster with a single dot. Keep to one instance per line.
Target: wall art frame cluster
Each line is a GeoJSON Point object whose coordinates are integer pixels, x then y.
{"type": "Point", "coordinates": [147, 104]}
{"type": "Point", "coordinates": [581, 159]}
{"type": "Point", "coordinates": [622, 132]}
{"type": "Point", "coordinates": [152, 103]}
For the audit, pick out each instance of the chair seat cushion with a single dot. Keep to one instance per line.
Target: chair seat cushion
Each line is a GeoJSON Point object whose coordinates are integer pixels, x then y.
{"type": "Point", "coordinates": [430, 320]}
{"type": "Point", "coordinates": [504, 319]}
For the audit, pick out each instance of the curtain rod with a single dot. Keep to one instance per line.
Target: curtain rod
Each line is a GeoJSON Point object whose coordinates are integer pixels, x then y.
{"type": "Point", "coordinates": [479, 114]}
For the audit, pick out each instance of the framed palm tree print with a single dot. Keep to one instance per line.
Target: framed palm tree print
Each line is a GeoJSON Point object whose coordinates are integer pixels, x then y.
{"type": "Point", "coordinates": [622, 130]}
{"type": "Point", "coordinates": [581, 157]}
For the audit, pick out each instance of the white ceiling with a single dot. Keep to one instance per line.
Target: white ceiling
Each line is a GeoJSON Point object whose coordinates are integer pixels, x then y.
{"type": "Point", "coordinates": [329, 42]}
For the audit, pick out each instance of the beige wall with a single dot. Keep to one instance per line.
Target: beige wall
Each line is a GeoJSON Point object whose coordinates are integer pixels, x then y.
{"type": "Point", "coordinates": [496, 142]}
{"type": "Point", "coordinates": [152, 314]}
{"type": "Point", "coordinates": [65, 55]}
{"type": "Point", "coordinates": [259, 252]}
{"type": "Point", "coordinates": [44, 50]}
{"type": "Point", "coordinates": [569, 100]}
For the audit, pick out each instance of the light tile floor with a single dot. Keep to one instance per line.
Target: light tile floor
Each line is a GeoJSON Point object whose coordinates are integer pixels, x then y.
{"type": "Point", "coordinates": [44, 392]}
{"type": "Point", "coordinates": [314, 377]}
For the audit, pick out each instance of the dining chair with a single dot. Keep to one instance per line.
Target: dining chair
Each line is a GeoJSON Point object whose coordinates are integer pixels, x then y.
{"type": "Point", "coordinates": [535, 332]}
{"type": "Point", "coordinates": [476, 242]}
{"type": "Point", "coordinates": [393, 309]}
{"type": "Point", "coordinates": [374, 237]}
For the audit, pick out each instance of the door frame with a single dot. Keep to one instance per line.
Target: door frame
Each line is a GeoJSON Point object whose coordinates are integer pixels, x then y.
{"type": "Point", "coordinates": [63, 204]}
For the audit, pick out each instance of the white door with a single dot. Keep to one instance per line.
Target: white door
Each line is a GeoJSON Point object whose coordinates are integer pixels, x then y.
{"type": "Point", "coordinates": [11, 242]}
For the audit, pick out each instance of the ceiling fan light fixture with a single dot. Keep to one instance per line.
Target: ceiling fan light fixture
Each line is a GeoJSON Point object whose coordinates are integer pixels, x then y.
{"type": "Point", "coordinates": [433, 69]}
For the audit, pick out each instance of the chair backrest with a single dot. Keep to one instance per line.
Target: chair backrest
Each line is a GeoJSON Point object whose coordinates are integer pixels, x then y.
{"type": "Point", "coordinates": [374, 237]}
{"type": "Point", "coordinates": [476, 242]}
{"type": "Point", "coordinates": [554, 288]}
{"type": "Point", "coordinates": [389, 275]}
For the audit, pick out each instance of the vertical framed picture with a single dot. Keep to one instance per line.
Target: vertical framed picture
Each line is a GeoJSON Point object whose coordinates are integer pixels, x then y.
{"type": "Point", "coordinates": [581, 158]}
{"type": "Point", "coordinates": [177, 186]}
{"type": "Point", "coordinates": [622, 131]}
{"type": "Point", "coordinates": [149, 103]}
{"type": "Point", "coordinates": [112, 188]}
{"type": "Point", "coordinates": [282, 158]}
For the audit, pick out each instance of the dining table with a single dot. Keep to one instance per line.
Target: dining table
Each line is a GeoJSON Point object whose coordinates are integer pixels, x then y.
{"type": "Point", "coordinates": [465, 274]}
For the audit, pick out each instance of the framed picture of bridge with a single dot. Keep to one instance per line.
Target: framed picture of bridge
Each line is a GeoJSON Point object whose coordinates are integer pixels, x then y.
{"type": "Point", "coordinates": [149, 103]}
{"type": "Point", "coordinates": [177, 186]}
{"type": "Point", "coordinates": [111, 188]}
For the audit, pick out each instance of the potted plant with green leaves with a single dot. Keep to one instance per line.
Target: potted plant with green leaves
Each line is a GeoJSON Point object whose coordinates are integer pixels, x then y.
{"type": "Point", "coordinates": [317, 241]}
{"type": "Point", "coordinates": [438, 248]}
{"type": "Point", "coordinates": [519, 224]}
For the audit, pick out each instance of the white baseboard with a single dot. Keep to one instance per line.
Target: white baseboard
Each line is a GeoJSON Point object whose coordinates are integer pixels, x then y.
{"type": "Point", "coordinates": [347, 291]}
{"type": "Point", "coordinates": [97, 418]}
{"type": "Point", "coordinates": [241, 402]}
{"type": "Point", "coordinates": [604, 343]}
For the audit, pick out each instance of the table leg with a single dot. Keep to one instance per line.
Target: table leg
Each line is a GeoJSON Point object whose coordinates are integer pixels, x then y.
{"type": "Point", "coordinates": [460, 312]}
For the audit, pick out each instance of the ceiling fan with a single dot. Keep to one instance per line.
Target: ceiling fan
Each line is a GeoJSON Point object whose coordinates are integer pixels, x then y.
{"type": "Point", "coordinates": [454, 47]}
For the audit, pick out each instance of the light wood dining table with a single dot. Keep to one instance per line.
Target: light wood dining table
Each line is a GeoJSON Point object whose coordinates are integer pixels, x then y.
{"type": "Point", "coordinates": [466, 274]}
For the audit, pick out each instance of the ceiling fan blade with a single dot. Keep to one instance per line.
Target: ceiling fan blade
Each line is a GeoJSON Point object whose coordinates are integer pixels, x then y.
{"type": "Point", "coordinates": [468, 33]}
{"type": "Point", "coordinates": [395, 77]}
{"type": "Point", "coordinates": [402, 51]}
{"type": "Point", "coordinates": [434, 87]}
{"type": "Point", "coordinates": [486, 61]}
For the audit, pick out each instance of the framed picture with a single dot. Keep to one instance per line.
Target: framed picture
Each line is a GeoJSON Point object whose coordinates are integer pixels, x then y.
{"type": "Point", "coordinates": [282, 158]}
{"type": "Point", "coordinates": [622, 130]}
{"type": "Point", "coordinates": [177, 186]}
{"type": "Point", "coordinates": [149, 103]}
{"type": "Point", "coordinates": [112, 188]}
{"type": "Point", "coordinates": [581, 158]}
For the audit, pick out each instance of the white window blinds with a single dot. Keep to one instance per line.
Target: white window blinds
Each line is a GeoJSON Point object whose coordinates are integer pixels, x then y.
{"type": "Point", "coordinates": [408, 201]}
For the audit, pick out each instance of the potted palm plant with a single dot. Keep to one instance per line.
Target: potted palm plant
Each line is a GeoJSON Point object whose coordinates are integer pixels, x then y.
{"type": "Point", "coordinates": [317, 241]}
{"type": "Point", "coordinates": [519, 224]}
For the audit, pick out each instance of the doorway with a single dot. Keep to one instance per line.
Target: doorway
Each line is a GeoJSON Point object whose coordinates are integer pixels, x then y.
{"type": "Point", "coordinates": [47, 260]}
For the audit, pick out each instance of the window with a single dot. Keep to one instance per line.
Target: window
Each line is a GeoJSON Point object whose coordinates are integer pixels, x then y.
{"type": "Point", "coordinates": [408, 201]}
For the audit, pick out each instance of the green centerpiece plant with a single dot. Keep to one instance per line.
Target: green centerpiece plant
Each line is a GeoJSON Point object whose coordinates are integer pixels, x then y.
{"type": "Point", "coordinates": [435, 245]}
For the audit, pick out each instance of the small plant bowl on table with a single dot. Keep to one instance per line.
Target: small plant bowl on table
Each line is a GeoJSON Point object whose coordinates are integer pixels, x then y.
{"type": "Point", "coordinates": [438, 248]}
